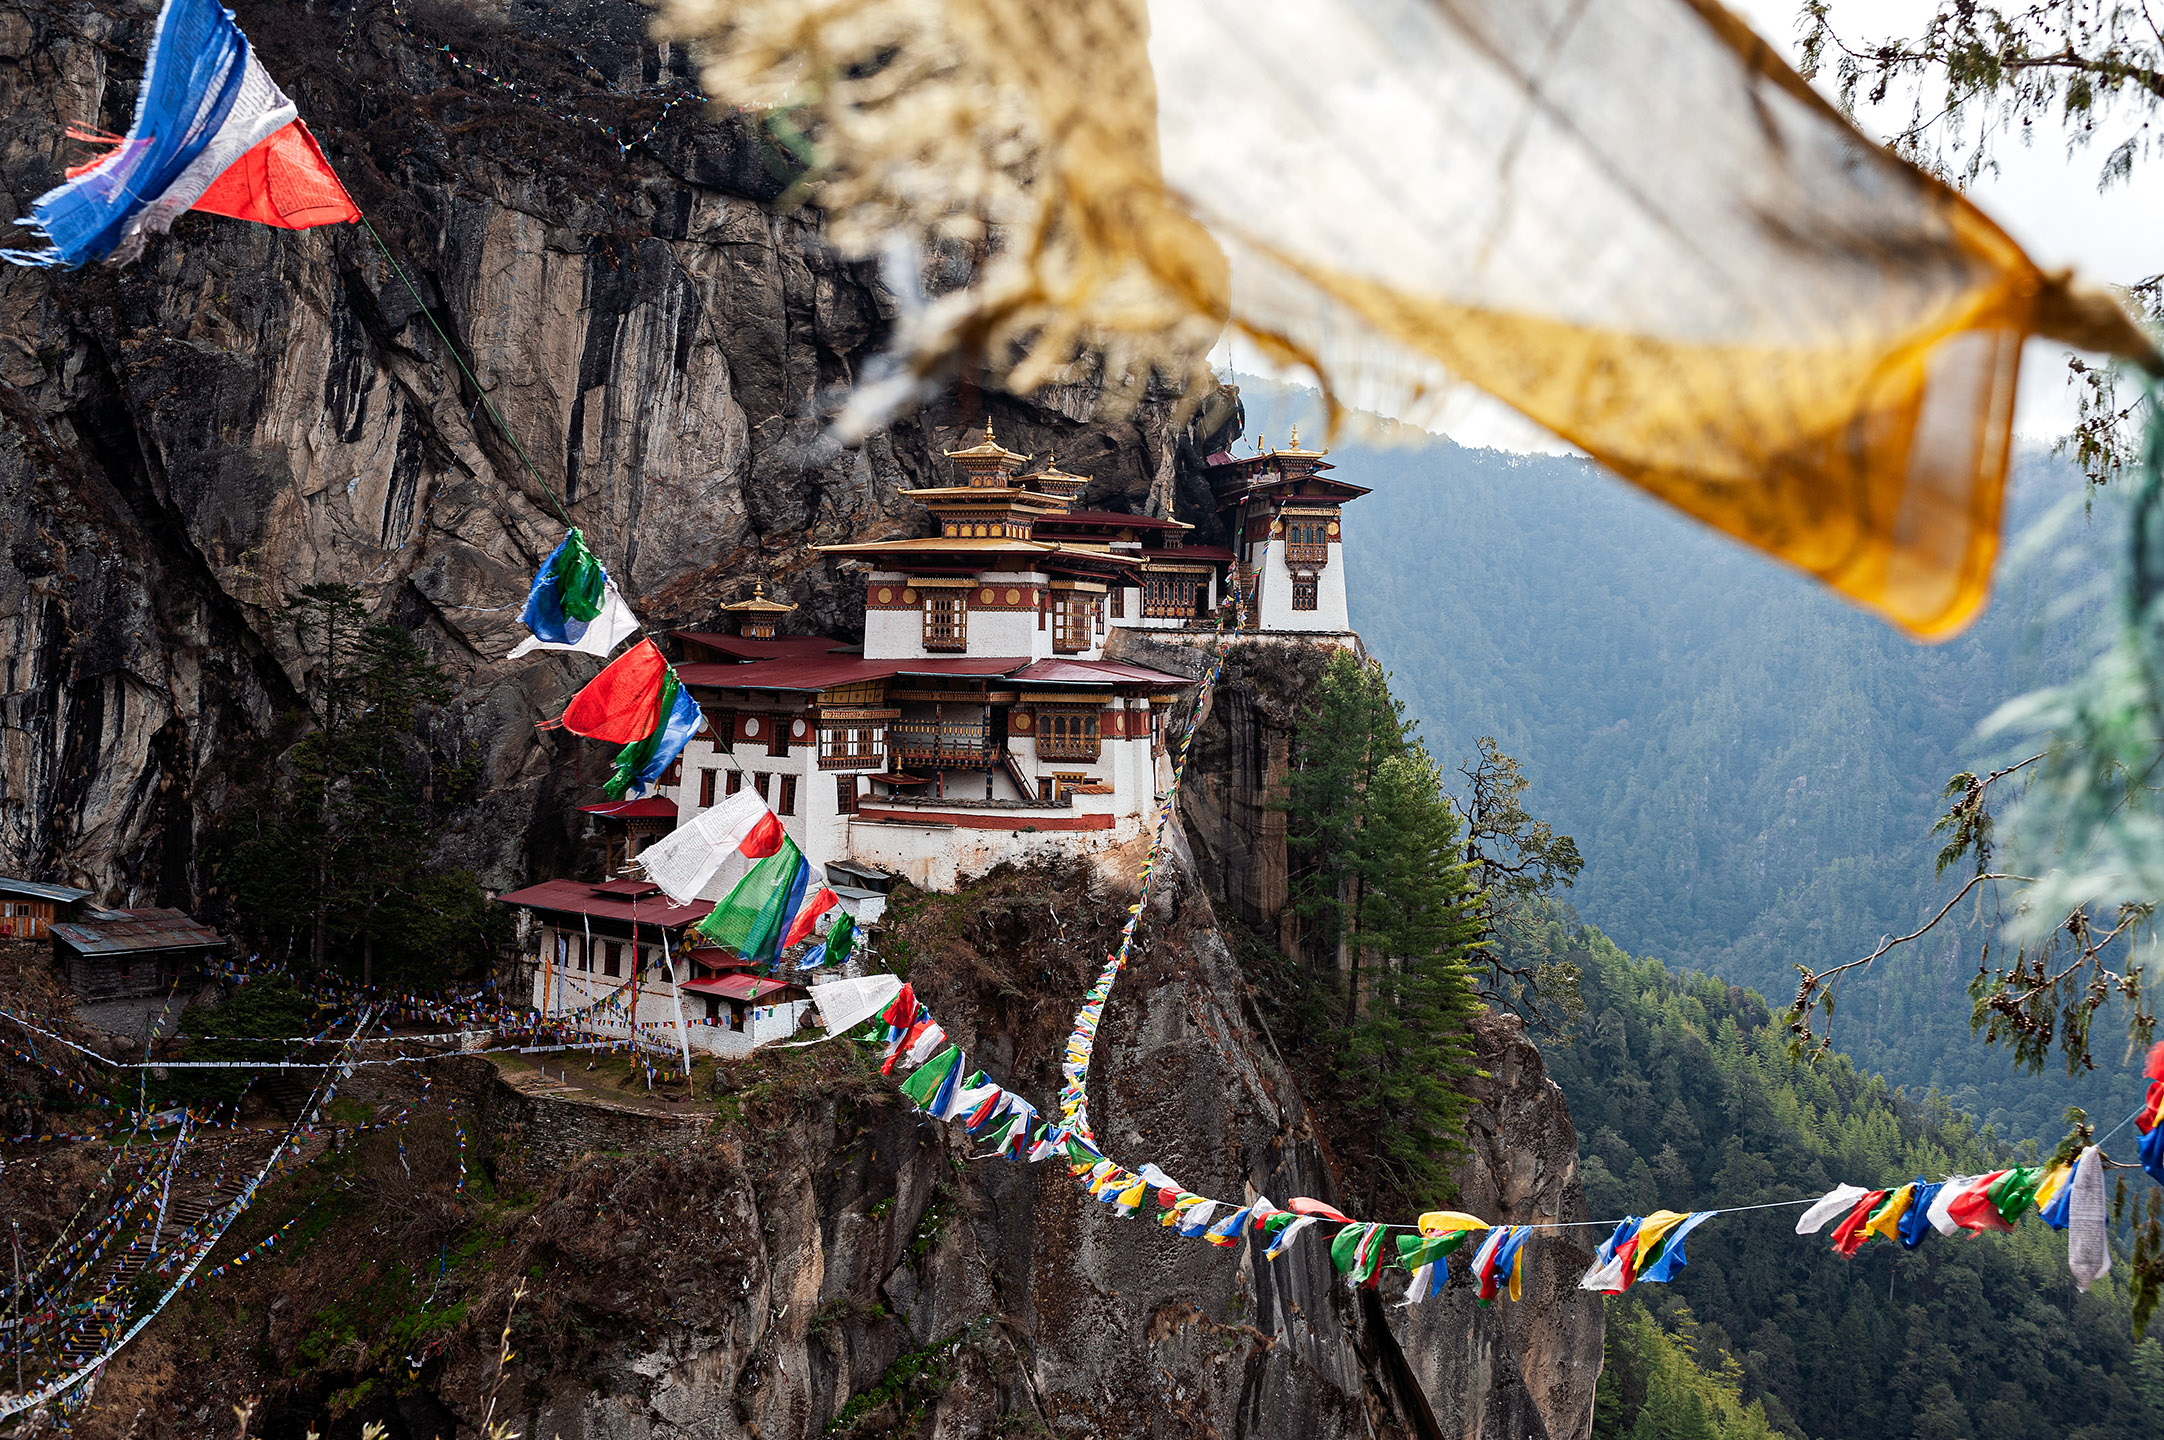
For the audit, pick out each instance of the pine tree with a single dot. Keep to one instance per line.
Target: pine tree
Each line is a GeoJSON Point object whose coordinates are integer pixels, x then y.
{"type": "Point", "coordinates": [1408, 1046]}
{"type": "Point", "coordinates": [343, 853]}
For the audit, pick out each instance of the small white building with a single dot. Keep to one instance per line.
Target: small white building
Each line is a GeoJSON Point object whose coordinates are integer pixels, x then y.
{"type": "Point", "coordinates": [619, 956]}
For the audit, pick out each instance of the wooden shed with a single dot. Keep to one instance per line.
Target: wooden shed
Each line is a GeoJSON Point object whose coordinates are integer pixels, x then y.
{"type": "Point", "coordinates": [111, 954]}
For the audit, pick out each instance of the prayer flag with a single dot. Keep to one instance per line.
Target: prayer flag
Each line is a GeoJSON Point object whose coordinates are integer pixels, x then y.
{"type": "Point", "coordinates": [923, 1085]}
{"type": "Point", "coordinates": [1663, 1268]}
{"type": "Point", "coordinates": [573, 604]}
{"type": "Point", "coordinates": [1849, 1235]}
{"type": "Point", "coordinates": [1973, 1208]}
{"type": "Point", "coordinates": [2088, 1251]}
{"type": "Point", "coordinates": [1916, 1223]}
{"type": "Point", "coordinates": [841, 938]}
{"type": "Point", "coordinates": [1940, 1214]}
{"type": "Point", "coordinates": [752, 918]}
{"type": "Point", "coordinates": [1197, 1220]}
{"type": "Point", "coordinates": [684, 860]}
{"type": "Point", "coordinates": [821, 901]}
{"type": "Point", "coordinates": [1838, 1201]}
{"type": "Point", "coordinates": [206, 107]}
{"type": "Point", "coordinates": [1296, 1226]}
{"type": "Point", "coordinates": [642, 762]}
{"type": "Point", "coordinates": [623, 702]}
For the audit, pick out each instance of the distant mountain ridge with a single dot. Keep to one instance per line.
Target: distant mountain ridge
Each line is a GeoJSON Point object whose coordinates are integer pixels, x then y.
{"type": "Point", "coordinates": [1750, 765]}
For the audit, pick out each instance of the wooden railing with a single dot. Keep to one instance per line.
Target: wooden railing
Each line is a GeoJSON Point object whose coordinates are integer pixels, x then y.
{"type": "Point", "coordinates": [952, 744]}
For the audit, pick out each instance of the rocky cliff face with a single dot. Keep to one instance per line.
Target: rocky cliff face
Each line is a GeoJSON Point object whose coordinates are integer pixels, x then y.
{"type": "Point", "coordinates": [185, 442]}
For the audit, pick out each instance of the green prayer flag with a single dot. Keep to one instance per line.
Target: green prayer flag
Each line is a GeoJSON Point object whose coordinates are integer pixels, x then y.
{"type": "Point", "coordinates": [2011, 1193]}
{"type": "Point", "coordinates": [749, 921]}
{"type": "Point", "coordinates": [1415, 1251]}
{"type": "Point", "coordinates": [580, 580]}
{"type": "Point", "coordinates": [925, 1083]}
{"type": "Point", "coordinates": [1345, 1246]}
{"type": "Point", "coordinates": [841, 938]}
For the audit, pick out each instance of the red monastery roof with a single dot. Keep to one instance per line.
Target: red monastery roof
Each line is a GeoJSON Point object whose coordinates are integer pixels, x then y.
{"type": "Point", "coordinates": [745, 987]}
{"type": "Point", "coordinates": [650, 807]}
{"type": "Point", "coordinates": [577, 897]}
{"type": "Point", "coordinates": [781, 646]}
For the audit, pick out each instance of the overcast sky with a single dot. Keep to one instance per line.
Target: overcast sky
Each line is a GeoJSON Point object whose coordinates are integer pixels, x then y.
{"type": "Point", "coordinates": [2044, 197]}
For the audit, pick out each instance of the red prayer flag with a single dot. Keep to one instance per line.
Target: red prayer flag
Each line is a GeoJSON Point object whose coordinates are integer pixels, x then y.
{"type": "Point", "coordinates": [1973, 1209]}
{"type": "Point", "coordinates": [811, 910]}
{"type": "Point", "coordinates": [763, 839]}
{"type": "Point", "coordinates": [1848, 1236]}
{"type": "Point", "coordinates": [623, 702]}
{"type": "Point", "coordinates": [283, 180]}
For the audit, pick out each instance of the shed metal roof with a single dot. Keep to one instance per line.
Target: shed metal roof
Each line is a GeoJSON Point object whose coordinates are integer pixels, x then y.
{"type": "Point", "coordinates": [39, 890]}
{"type": "Point", "coordinates": [1096, 672]}
{"type": "Point", "coordinates": [648, 807]}
{"type": "Point", "coordinates": [134, 932]}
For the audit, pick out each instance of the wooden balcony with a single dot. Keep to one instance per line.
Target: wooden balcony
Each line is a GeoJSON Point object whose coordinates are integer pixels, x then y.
{"type": "Point", "coordinates": [943, 744]}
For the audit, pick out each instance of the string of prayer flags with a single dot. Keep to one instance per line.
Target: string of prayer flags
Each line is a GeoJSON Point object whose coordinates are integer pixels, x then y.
{"type": "Point", "coordinates": [623, 702]}
{"type": "Point", "coordinates": [212, 132]}
{"type": "Point", "coordinates": [645, 760]}
{"type": "Point", "coordinates": [574, 605]}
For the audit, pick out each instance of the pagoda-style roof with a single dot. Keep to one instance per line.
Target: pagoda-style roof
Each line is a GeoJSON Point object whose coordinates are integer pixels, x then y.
{"type": "Point", "coordinates": [987, 449]}
{"type": "Point", "coordinates": [1055, 481]}
{"type": "Point", "coordinates": [932, 497]}
{"type": "Point", "coordinates": [758, 604]}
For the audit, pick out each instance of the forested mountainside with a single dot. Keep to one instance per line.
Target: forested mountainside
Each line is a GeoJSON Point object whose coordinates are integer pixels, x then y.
{"type": "Point", "coordinates": [1750, 766]}
{"type": "Point", "coordinates": [1684, 1098]}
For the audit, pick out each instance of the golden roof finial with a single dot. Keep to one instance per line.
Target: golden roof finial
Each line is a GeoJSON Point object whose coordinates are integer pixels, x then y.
{"type": "Point", "coordinates": [988, 431]}
{"type": "Point", "coordinates": [1295, 437]}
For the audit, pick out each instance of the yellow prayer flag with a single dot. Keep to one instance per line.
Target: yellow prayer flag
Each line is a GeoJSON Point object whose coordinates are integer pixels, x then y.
{"type": "Point", "coordinates": [1630, 221]}
{"type": "Point", "coordinates": [1449, 1222]}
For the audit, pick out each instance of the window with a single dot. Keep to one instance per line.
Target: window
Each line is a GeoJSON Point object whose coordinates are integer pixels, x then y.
{"type": "Point", "coordinates": [735, 782]}
{"type": "Point", "coordinates": [612, 958]}
{"type": "Point", "coordinates": [788, 796]}
{"type": "Point", "coordinates": [845, 794]}
{"type": "Point", "coordinates": [851, 747]}
{"type": "Point", "coordinates": [1171, 597]}
{"type": "Point", "coordinates": [946, 621]}
{"type": "Point", "coordinates": [1303, 592]}
{"type": "Point", "coordinates": [777, 735]}
{"type": "Point", "coordinates": [675, 775]}
{"type": "Point", "coordinates": [1074, 616]}
{"type": "Point", "coordinates": [706, 787]}
{"type": "Point", "coordinates": [1068, 732]}
{"type": "Point", "coordinates": [1119, 602]}
{"type": "Point", "coordinates": [1307, 541]}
